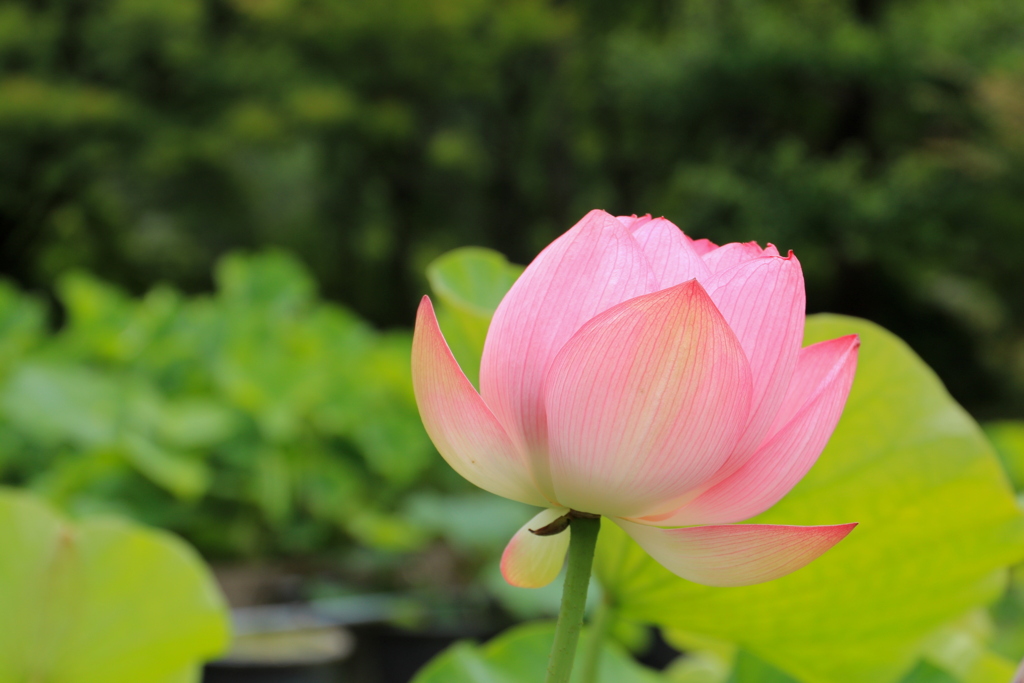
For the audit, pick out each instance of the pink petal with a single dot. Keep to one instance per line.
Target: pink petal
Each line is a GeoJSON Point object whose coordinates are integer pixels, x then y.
{"type": "Point", "coordinates": [669, 251]}
{"type": "Point", "coordinates": [532, 561]}
{"type": "Point", "coordinates": [821, 384]}
{"type": "Point", "coordinates": [644, 403]}
{"type": "Point", "coordinates": [632, 222]}
{"type": "Point", "coordinates": [460, 424]}
{"type": "Point", "coordinates": [594, 266]}
{"type": "Point", "coordinates": [816, 366]}
{"type": "Point", "coordinates": [734, 253]}
{"type": "Point", "coordinates": [702, 246]}
{"type": "Point", "coordinates": [736, 554]}
{"type": "Point", "coordinates": [763, 301]}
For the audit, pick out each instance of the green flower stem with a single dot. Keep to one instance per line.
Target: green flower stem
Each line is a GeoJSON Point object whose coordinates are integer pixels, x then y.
{"type": "Point", "coordinates": [582, 542]}
{"type": "Point", "coordinates": [601, 623]}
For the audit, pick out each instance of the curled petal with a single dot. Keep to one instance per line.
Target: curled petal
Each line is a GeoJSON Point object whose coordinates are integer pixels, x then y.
{"type": "Point", "coordinates": [821, 384]}
{"type": "Point", "coordinates": [645, 403]}
{"type": "Point", "coordinates": [458, 421]}
{"type": "Point", "coordinates": [669, 251]}
{"type": "Point", "coordinates": [736, 554]}
{"type": "Point", "coordinates": [594, 266]}
{"type": "Point", "coordinates": [532, 561]}
{"type": "Point", "coordinates": [763, 301]}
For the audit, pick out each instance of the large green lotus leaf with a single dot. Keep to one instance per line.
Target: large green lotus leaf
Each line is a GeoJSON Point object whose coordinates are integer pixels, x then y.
{"type": "Point", "coordinates": [938, 527]}
{"type": "Point", "coordinates": [470, 283]}
{"type": "Point", "coordinates": [521, 654]}
{"type": "Point", "coordinates": [100, 600]}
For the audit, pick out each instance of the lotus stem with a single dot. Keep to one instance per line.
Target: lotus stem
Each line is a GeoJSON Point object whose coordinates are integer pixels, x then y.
{"type": "Point", "coordinates": [582, 542]}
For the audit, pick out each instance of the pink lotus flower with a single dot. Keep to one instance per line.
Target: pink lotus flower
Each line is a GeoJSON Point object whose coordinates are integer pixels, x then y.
{"type": "Point", "coordinates": [635, 373]}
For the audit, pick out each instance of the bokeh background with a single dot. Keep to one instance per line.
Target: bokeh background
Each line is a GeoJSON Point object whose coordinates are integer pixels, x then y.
{"type": "Point", "coordinates": [882, 140]}
{"type": "Point", "coordinates": [216, 217]}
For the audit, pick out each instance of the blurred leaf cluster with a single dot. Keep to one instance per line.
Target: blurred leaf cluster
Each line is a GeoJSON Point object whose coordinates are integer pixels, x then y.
{"type": "Point", "coordinates": [880, 139]}
{"type": "Point", "coordinates": [258, 420]}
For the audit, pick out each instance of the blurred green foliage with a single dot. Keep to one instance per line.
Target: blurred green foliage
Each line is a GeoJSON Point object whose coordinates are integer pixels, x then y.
{"type": "Point", "coordinates": [287, 420]}
{"type": "Point", "coordinates": [881, 140]}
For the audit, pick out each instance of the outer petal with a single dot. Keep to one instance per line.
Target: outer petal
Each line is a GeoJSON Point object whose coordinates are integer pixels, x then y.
{"type": "Point", "coordinates": [816, 366]}
{"type": "Point", "coordinates": [764, 303]}
{"type": "Point", "coordinates": [669, 251]}
{"type": "Point", "coordinates": [736, 554]}
{"type": "Point", "coordinates": [645, 403]}
{"type": "Point", "coordinates": [532, 561]}
{"type": "Point", "coordinates": [822, 382]}
{"type": "Point", "coordinates": [594, 266]}
{"type": "Point", "coordinates": [734, 253]}
{"type": "Point", "coordinates": [461, 426]}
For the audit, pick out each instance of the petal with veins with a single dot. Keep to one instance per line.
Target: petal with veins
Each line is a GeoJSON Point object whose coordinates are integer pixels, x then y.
{"type": "Point", "coordinates": [594, 266]}
{"type": "Point", "coordinates": [645, 403]}
{"type": "Point", "coordinates": [735, 554]}
{"type": "Point", "coordinates": [734, 253]}
{"type": "Point", "coordinates": [821, 384]}
{"type": "Point", "coordinates": [669, 251]}
{"type": "Point", "coordinates": [461, 426]}
{"type": "Point", "coordinates": [764, 303]}
{"type": "Point", "coordinates": [532, 561]}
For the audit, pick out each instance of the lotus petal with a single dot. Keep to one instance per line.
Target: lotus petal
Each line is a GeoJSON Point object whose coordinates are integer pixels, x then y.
{"type": "Point", "coordinates": [734, 253]}
{"type": "Point", "coordinates": [821, 384]}
{"type": "Point", "coordinates": [735, 554]}
{"type": "Point", "coordinates": [669, 251]}
{"type": "Point", "coordinates": [594, 266]}
{"type": "Point", "coordinates": [458, 421]}
{"type": "Point", "coordinates": [532, 561]}
{"type": "Point", "coordinates": [763, 301]}
{"type": "Point", "coordinates": [645, 403]}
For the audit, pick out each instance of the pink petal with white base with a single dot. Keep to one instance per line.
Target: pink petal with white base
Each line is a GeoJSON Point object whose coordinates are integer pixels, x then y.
{"type": "Point", "coordinates": [532, 561]}
{"type": "Point", "coordinates": [736, 554]}
{"type": "Point", "coordinates": [823, 379]}
{"type": "Point", "coordinates": [644, 403]}
{"type": "Point", "coordinates": [594, 266]}
{"type": "Point", "coordinates": [670, 252]}
{"type": "Point", "coordinates": [764, 303]}
{"type": "Point", "coordinates": [461, 426]}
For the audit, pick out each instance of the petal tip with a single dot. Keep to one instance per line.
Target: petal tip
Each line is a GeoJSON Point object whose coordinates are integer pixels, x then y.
{"type": "Point", "coordinates": [426, 307]}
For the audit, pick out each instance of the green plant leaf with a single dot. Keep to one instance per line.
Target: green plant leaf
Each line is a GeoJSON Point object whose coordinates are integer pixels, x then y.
{"type": "Point", "coordinates": [1008, 438]}
{"type": "Point", "coordinates": [187, 478]}
{"type": "Point", "coordinates": [469, 283]}
{"type": "Point", "coordinates": [57, 403]}
{"type": "Point", "coordinates": [521, 654]}
{"type": "Point", "coordinates": [100, 596]}
{"type": "Point", "coordinates": [938, 526]}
